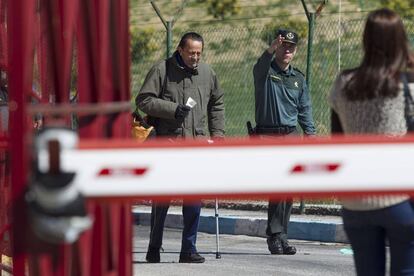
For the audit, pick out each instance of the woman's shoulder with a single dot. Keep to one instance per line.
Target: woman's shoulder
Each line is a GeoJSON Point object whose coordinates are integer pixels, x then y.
{"type": "Point", "coordinates": [337, 91]}
{"type": "Point", "coordinates": [343, 78]}
{"type": "Point", "coordinates": [347, 74]}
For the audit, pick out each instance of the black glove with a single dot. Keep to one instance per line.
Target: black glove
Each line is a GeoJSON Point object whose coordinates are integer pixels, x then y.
{"type": "Point", "coordinates": [181, 112]}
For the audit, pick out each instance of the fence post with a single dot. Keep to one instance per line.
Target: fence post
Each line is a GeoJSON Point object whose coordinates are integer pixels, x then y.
{"type": "Point", "coordinates": [311, 25]}
{"type": "Point", "coordinates": [168, 24]}
{"type": "Point", "coordinates": [169, 38]}
{"type": "Point", "coordinates": [311, 16]}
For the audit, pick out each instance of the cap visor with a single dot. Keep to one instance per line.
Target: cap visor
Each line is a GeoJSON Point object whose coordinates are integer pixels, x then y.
{"type": "Point", "coordinates": [289, 41]}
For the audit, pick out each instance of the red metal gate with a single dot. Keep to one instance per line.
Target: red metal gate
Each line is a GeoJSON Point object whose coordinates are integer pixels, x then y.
{"type": "Point", "coordinates": [59, 49]}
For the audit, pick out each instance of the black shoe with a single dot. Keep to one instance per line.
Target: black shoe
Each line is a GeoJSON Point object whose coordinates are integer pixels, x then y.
{"type": "Point", "coordinates": [274, 243]}
{"type": "Point", "coordinates": [153, 255]}
{"type": "Point", "coordinates": [191, 258]}
{"type": "Point", "coordinates": [288, 249]}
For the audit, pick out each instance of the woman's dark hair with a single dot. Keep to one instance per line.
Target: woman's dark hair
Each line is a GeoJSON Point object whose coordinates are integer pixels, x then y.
{"type": "Point", "coordinates": [190, 35]}
{"type": "Point", "coordinates": [387, 53]}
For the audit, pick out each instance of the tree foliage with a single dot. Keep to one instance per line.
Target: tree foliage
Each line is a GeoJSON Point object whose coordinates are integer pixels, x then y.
{"type": "Point", "coordinates": [404, 7]}
{"type": "Point", "coordinates": [142, 44]}
{"type": "Point", "coordinates": [223, 8]}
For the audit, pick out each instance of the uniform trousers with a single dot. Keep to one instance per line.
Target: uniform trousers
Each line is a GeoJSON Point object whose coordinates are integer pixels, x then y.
{"type": "Point", "coordinates": [191, 218]}
{"type": "Point", "coordinates": [278, 212]}
{"type": "Point", "coordinates": [278, 216]}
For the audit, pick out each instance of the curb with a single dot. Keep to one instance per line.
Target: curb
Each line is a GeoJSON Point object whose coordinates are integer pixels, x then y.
{"type": "Point", "coordinates": [262, 205]}
{"type": "Point", "coordinates": [309, 209]}
{"type": "Point", "coordinates": [300, 229]}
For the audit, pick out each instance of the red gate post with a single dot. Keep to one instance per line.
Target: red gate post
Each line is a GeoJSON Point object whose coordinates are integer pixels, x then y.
{"type": "Point", "coordinates": [103, 54]}
{"type": "Point", "coordinates": [20, 18]}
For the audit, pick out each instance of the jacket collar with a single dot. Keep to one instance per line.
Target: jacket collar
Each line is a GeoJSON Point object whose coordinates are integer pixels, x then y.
{"type": "Point", "coordinates": [180, 63]}
{"type": "Point", "coordinates": [288, 72]}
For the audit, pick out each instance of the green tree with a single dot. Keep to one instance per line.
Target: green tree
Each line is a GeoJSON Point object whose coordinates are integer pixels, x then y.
{"type": "Point", "coordinates": [223, 8]}
{"type": "Point", "coordinates": [404, 7]}
{"type": "Point", "coordinates": [142, 44]}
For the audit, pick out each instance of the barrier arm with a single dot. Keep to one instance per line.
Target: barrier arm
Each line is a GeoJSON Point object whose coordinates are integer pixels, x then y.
{"type": "Point", "coordinates": [240, 168]}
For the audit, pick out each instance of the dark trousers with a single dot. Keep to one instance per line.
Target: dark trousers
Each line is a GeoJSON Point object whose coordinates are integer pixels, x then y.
{"type": "Point", "coordinates": [191, 217]}
{"type": "Point", "coordinates": [278, 216]}
{"type": "Point", "coordinates": [278, 212]}
{"type": "Point", "coordinates": [367, 232]}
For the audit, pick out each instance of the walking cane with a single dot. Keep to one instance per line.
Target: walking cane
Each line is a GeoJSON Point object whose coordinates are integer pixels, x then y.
{"type": "Point", "coordinates": [218, 255]}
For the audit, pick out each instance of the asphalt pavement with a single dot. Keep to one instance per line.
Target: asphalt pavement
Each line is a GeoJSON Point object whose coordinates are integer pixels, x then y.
{"type": "Point", "coordinates": [242, 255]}
{"type": "Point", "coordinates": [322, 247]}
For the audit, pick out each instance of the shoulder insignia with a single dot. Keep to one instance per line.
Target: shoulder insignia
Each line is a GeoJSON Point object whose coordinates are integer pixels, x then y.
{"type": "Point", "coordinates": [275, 78]}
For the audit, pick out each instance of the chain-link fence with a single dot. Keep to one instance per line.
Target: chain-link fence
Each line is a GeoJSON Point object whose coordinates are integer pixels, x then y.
{"type": "Point", "coordinates": [232, 50]}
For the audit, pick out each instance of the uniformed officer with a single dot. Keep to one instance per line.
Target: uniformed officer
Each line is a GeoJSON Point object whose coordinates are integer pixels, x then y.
{"type": "Point", "coordinates": [282, 101]}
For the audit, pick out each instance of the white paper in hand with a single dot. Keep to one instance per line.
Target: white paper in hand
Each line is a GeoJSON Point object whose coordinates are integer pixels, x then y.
{"type": "Point", "coordinates": [190, 102]}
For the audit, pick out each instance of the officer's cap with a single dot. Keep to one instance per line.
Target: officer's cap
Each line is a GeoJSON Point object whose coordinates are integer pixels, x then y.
{"type": "Point", "coordinates": [289, 36]}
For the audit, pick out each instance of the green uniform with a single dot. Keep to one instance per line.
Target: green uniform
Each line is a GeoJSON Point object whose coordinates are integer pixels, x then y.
{"type": "Point", "coordinates": [282, 101]}
{"type": "Point", "coordinates": [282, 97]}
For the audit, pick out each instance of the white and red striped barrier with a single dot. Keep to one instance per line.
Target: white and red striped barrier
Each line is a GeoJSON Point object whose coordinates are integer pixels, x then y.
{"type": "Point", "coordinates": [314, 167]}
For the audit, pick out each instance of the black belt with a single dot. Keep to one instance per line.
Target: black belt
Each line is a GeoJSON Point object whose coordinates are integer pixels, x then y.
{"type": "Point", "coordinates": [275, 129]}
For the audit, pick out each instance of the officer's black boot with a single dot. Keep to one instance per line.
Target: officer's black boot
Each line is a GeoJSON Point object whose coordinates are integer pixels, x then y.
{"type": "Point", "coordinates": [274, 243]}
{"type": "Point", "coordinates": [288, 249]}
{"type": "Point", "coordinates": [279, 245]}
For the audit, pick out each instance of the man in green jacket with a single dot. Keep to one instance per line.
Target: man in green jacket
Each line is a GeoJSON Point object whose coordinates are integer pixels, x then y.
{"type": "Point", "coordinates": [185, 97]}
{"type": "Point", "coordinates": [282, 101]}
